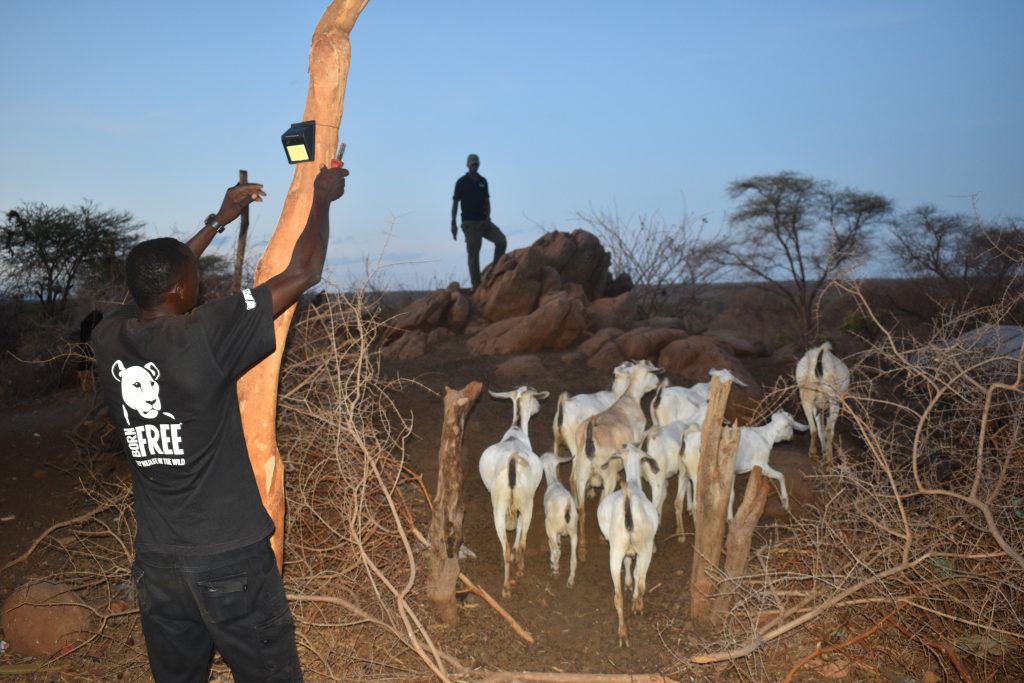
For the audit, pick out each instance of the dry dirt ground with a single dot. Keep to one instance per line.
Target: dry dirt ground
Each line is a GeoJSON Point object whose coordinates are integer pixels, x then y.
{"type": "Point", "coordinates": [574, 628]}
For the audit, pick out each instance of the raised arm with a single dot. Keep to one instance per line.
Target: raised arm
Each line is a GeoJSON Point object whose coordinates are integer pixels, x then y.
{"type": "Point", "coordinates": [307, 261]}
{"type": "Point", "coordinates": [235, 199]}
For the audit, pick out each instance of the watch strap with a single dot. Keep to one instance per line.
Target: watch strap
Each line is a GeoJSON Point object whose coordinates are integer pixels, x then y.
{"type": "Point", "coordinates": [211, 221]}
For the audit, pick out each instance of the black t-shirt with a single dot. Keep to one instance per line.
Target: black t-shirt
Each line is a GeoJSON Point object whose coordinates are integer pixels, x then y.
{"type": "Point", "coordinates": [170, 386]}
{"type": "Point", "coordinates": [473, 195]}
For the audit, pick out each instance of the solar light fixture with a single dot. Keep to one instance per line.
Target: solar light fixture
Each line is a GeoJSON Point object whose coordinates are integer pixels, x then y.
{"type": "Point", "coordinates": [300, 142]}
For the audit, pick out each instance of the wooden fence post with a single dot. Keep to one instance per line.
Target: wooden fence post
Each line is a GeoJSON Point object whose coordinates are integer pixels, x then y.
{"type": "Point", "coordinates": [446, 522]}
{"type": "Point", "coordinates": [741, 533]}
{"type": "Point", "coordinates": [243, 236]}
{"type": "Point", "coordinates": [714, 483]}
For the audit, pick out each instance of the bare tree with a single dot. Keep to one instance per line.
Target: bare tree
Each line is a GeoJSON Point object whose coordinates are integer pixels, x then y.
{"type": "Point", "coordinates": [958, 261]}
{"type": "Point", "coordinates": [665, 261]}
{"type": "Point", "coordinates": [795, 233]}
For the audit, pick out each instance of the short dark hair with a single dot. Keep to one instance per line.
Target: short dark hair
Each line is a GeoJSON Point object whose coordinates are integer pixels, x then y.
{"type": "Point", "coordinates": [153, 267]}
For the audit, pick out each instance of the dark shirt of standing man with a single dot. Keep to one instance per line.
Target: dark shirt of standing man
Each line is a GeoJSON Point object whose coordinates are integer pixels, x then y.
{"type": "Point", "coordinates": [204, 572]}
{"type": "Point", "coordinates": [472, 191]}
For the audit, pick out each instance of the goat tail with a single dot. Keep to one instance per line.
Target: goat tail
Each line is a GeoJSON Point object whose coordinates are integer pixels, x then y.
{"type": "Point", "coordinates": [656, 401]}
{"type": "Point", "coordinates": [819, 369]}
{"type": "Point", "coordinates": [568, 511]}
{"type": "Point", "coordinates": [557, 426]}
{"type": "Point", "coordinates": [512, 471]}
{"type": "Point", "coordinates": [646, 437]}
{"type": "Point", "coordinates": [628, 502]}
{"type": "Point", "coordinates": [591, 447]}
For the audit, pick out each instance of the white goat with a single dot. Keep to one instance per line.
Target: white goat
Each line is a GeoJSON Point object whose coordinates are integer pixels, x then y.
{"type": "Point", "coordinates": [511, 471]}
{"type": "Point", "coordinates": [685, 403]}
{"type": "Point", "coordinates": [560, 517]}
{"type": "Point", "coordinates": [600, 436]}
{"type": "Point", "coordinates": [755, 448]}
{"type": "Point", "coordinates": [664, 445]}
{"type": "Point", "coordinates": [822, 378]}
{"type": "Point", "coordinates": [572, 411]}
{"type": "Point", "coordinates": [629, 521]}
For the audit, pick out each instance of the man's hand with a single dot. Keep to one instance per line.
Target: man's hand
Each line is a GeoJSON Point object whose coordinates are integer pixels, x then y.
{"type": "Point", "coordinates": [237, 198]}
{"type": "Point", "coordinates": [330, 183]}
{"type": "Point", "coordinates": [455, 232]}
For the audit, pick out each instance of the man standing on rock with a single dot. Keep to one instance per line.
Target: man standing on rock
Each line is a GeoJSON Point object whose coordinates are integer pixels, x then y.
{"type": "Point", "coordinates": [471, 189]}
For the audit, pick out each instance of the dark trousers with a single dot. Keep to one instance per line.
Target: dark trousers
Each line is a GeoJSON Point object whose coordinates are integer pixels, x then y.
{"type": "Point", "coordinates": [476, 232]}
{"type": "Point", "coordinates": [234, 600]}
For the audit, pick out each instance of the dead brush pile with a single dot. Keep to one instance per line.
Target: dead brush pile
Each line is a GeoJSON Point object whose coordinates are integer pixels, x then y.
{"type": "Point", "coordinates": [351, 567]}
{"type": "Point", "coordinates": [915, 561]}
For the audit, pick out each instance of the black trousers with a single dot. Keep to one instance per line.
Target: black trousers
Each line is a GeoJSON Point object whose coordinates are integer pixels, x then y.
{"type": "Point", "coordinates": [234, 600]}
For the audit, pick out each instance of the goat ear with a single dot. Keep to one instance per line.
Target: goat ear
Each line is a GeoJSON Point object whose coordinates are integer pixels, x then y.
{"type": "Point", "coordinates": [542, 394]}
{"type": "Point", "coordinates": [500, 394]}
{"type": "Point", "coordinates": [799, 426]}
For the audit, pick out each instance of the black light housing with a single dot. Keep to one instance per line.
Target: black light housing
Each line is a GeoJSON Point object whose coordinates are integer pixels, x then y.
{"type": "Point", "coordinates": [300, 142]}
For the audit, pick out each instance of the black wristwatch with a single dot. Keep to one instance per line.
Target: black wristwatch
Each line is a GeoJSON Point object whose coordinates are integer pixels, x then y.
{"type": "Point", "coordinates": [211, 221]}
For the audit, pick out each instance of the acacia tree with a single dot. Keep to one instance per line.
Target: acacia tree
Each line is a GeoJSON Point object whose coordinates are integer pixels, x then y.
{"type": "Point", "coordinates": [48, 250]}
{"type": "Point", "coordinates": [958, 260]}
{"type": "Point", "coordinates": [795, 233]}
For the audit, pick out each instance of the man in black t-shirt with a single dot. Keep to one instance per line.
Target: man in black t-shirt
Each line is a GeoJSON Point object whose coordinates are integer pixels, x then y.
{"type": "Point", "coordinates": [204, 571]}
{"type": "Point", "coordinates": [471, 189]}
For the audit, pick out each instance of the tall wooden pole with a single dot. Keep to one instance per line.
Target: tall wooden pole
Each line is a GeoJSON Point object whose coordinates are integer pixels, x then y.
{"type": "Point", "coordinates": [243, 235]}
{"type": "Point", "coordinates": [446, 521]}
{"type": "Point", "coordinates": [329, 59]}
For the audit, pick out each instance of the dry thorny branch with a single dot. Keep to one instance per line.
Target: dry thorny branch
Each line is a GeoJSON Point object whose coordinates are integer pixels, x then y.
{"type": "Point", "coordinates": [917, 543]}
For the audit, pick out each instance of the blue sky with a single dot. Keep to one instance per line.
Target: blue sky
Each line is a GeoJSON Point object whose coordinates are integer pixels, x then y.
{"type": "Point", "coordinates": [651, 106]}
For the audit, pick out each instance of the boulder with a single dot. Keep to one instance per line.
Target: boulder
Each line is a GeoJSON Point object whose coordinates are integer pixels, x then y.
{"type": "Point", "coordinates": [646, 342]}
{"type": "Point", "coordinates": [520, 370]}
{"type": "Point", "coordinates": [572, 358]}
{"type": "Point", "coordinates": [558, 324]}
{"type": "Point", "coordinates": [424, 314]}
{"type": "Point", "coordinates": [616, 311]}
{"type": "Point", "coordinates": [741, 345]}
{"type": "Point", "coordinates": [662, 321]}
{"type": "Point", "coordinates": [512, 288]}
{"type": "Point", "coordinates": [598, 339]}
{"type": "Point", "coordinates": [588, 265]}
{"type": "Point", "coordinates": [40, 619]}
{"type": "Point", "coordinates": [606, 357]}
{"type": "Point", "coordinates": [437, 336]}
{"type": "Point", "coordinates": [410, 345]}
{"type": "Point", "coordinates": [458, 312]}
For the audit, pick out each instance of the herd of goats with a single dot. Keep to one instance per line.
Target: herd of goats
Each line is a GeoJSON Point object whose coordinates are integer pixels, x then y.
{"type": "Point", "coordinates": [606, 433]}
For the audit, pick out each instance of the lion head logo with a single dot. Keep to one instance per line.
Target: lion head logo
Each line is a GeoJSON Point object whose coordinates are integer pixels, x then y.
{"type": "Point", "coordinates": [139, 388]}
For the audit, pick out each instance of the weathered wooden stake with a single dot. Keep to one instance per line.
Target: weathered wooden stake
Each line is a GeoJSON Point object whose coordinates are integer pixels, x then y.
{"type": "Point", "coordinates": [714, 481]}
{"type": "Point", "coordinates": [741, 533]}
{"type": "Point", "coordinates": [243, 235]}
{"type": "Point", "coordinates": [446, 522]}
